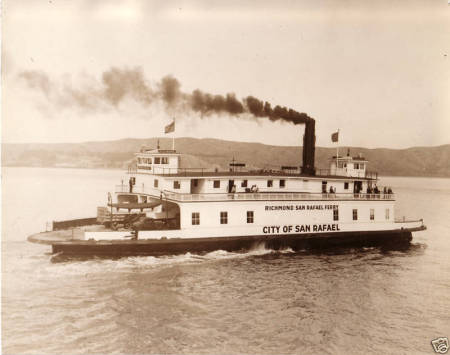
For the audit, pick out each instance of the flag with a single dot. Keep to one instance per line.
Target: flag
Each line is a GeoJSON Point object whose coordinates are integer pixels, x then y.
{"type": "Point", "coordinates": [335, 136]}
{"type": "Point", "coordinates": [170, 128]}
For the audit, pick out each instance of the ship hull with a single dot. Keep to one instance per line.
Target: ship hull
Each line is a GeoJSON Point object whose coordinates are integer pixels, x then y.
{"type": "Point", "coordinates": [173, 246]}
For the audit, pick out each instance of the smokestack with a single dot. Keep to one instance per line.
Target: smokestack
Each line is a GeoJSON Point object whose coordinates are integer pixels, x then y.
{"type": "Point", "coordinates": [309, 147]}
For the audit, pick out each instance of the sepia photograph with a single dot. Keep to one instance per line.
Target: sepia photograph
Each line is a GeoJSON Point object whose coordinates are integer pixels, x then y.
{"type": "Point", "coordinates": [225, 177]}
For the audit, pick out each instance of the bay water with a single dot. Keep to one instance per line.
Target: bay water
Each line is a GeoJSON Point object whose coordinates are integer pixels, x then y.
{"type": "Point", "coordinates": [346, 301]}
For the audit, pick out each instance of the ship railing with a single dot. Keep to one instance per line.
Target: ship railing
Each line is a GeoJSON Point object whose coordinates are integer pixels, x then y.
{"type": "Point", "coordinates": [135, 189]}
{"type": "Point", "coordinates": [267, 196]}
{"type": "Point", "coordinates": [372, 175]}
{"type": "Point", "coordinates": [159, 170]}
{"type": "Point", "coordinates": [245, 196]}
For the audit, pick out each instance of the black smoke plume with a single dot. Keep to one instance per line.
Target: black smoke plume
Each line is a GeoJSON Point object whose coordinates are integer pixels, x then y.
{"type": "Point", "coordinates": [118, 84]}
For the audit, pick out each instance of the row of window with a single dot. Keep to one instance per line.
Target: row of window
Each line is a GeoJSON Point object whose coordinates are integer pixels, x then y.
{"type": "Point", "coordinates": [355, 214]}
{"type": "Point", "coordinates": [176, 184]}
{"type": "Point", "coordinates": [223, 217]}
{"type": "Point", "coordinates": [158, 160]}
{"type": "Point", "coordinates": [250, 216]}
{"type": "Point", "coordinates": [355, 165]}
{"type": "Point", "coordinates": [244, 183]}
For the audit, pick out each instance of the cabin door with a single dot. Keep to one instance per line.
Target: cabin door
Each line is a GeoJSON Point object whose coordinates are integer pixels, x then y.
{"type": "Point", "coordinates": [194, 186]}
{"type": "Point", "coordinates": [230, 185]}
{"type": "Point", "coordinates": [357, 187]}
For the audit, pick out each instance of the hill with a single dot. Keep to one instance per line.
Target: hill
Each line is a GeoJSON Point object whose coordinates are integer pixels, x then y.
{"type": "Point", "coordinates": [417, 161]}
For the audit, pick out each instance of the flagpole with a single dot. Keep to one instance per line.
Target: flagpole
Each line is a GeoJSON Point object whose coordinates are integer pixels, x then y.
{"type": "Point", "coordinates": [173, 135]}
{"type": "Point", "coordinates": [337, 152]}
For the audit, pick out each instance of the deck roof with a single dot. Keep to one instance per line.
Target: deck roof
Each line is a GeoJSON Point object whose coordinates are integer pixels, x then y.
{"type": "Point", "coordinates": [273, 174]}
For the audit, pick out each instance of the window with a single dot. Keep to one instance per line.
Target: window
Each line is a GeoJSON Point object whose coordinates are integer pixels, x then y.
{"type": "Point", "coordinates": [244, 183]}
{"type": "Point", "coordinates": [249, 216]}
{"type": "Point", "coordinates": [164, 160]}
{"type": "Point", "coordinates": [223, 217]}
{"type": "Point", "coordinates": [356, 165]}
{"type": "Point", "coordinates": [155, 183]}
{"type": "Point", "coordinates": [195, 218]}
{"type": "Point", "coordinates": [195, 182]}
{"type": "Point", "coordinates": [324, 186]}
{"type": "Point", "coordinates": [216, 184]}
{"type": "Point", "coordinates": [149, 160]}
{"type": "Point", "coordinates": [345, 185]}
{"type": "Point", "coordinates": [336, 214]}
{"type": "Point", "coordinates": [269, 183]}
{"type": "Point", "coordinates": [176, 185]}
{"type": "Point", "coordinates": [157, 160]}
{"type": "Point", "coordinates": [361, 166]}
{"type": "Point", "coordinates": [282, 183]}
{"type": "Point", "coordinates": [372, 214]}
{"type": "Point", "coordinates": [387, 213]}
{"type": "Point", "coordinates": [355, 214]}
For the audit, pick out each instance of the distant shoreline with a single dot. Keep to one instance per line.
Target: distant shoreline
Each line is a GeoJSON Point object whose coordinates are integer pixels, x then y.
{"type": "Point", "coordinates": [119, 169]}
{"type": "Point", "coordinates": [215, 153]}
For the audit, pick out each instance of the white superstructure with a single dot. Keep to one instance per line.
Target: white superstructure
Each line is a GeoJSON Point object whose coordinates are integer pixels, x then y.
{"type": "Point", "coordinates": [200, 203]}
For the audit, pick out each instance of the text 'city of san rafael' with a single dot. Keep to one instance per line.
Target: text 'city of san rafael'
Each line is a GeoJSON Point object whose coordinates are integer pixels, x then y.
{"type": "Point", "coordinates": [301, 228]}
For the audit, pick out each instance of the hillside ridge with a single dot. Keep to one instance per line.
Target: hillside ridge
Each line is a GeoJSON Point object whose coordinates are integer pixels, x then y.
{"type": "Point", "coordinates": [210, 152]}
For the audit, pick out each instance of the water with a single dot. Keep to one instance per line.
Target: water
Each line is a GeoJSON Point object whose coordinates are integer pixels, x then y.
{"type": "Point", "coordinates": [351, 301]}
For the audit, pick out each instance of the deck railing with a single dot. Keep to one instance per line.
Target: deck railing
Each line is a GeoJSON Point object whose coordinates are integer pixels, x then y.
{"type": "Point", "coordinates": [166, 171]}
{"type": "Point", "coordinates": [258, 196]}
{"type": "Point", "coordinates": [276, 196]}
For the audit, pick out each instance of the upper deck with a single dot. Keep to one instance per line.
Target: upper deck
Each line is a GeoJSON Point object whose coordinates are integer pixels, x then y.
{"type": "Point", "coordinates": [205, 172]}
{"type": "Point", "coordinates": [166, 163]}
{"type": "Point", "coordinates": [161, 169]}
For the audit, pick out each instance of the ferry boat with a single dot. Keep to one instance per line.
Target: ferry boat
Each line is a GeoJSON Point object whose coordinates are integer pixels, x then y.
{"type": "Point", "coordinates": [162, 207]}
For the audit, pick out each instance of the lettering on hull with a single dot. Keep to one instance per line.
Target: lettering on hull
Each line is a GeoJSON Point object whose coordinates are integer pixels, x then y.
{"type": "Point", "coordinates": [301, 228]}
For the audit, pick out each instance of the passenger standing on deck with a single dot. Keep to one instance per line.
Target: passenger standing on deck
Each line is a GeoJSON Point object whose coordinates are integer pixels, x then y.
{"type": "Point", "coordinates": [232, 191]}
{"type": "Point", "coordinates": [376, 191]}
{"type": "Point", "coordinates": [131, 185]}
{"type": "Point", "coordinates": [369, 191]}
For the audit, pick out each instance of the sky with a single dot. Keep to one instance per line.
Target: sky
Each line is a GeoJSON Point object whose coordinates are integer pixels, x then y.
{"type": "Point", "coordinates": [377, 71]}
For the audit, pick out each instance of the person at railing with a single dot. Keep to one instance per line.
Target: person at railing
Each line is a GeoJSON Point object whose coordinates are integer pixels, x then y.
{"type": "Point", "coordinates": [369, 191]}
{"type": "Point", "coordinates": [376, 191]}
{"type": "Point", "coordinates": [232, 191]}
{"type": "Point", "coordinates": [130, 182]}
{"type": "Point", "coordinates": [254, 189]}
{"type": "Point", "coordinates": [332, 191]}
{"type": "Point", "coordinates": [390, 191]}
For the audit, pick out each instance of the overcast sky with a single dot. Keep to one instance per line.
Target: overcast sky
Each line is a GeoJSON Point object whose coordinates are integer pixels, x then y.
{"type": "Point", "coordinates": [379, 71]}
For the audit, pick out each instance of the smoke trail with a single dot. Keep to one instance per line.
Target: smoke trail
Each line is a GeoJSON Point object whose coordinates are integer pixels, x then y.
{"type": "Point", "coordinates": [37, 80]}
{"type": "Point", "coordinates": [118, 84]}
